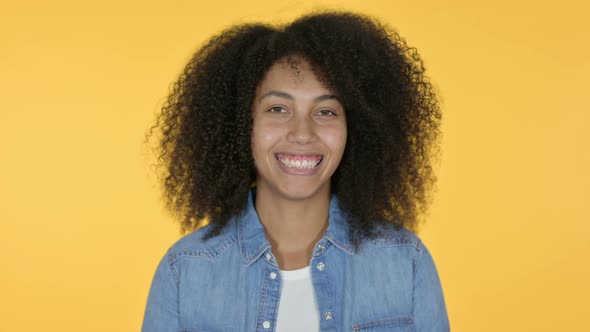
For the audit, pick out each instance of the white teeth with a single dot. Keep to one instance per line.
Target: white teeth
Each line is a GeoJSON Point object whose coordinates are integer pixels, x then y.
{"type": "Point", "coordinates": [300, 163]}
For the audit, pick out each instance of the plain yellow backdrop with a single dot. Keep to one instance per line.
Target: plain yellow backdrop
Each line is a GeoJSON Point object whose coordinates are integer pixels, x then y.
{"type": "Point", "coordinates": [81, 221]}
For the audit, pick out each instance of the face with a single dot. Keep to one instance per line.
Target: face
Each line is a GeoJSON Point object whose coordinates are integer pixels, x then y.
{"type": "Point", "coordinates": [299, 132]}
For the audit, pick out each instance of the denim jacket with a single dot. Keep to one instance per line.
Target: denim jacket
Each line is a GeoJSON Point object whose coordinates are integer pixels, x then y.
{"type": "Point", "coordinates": [223, 284]}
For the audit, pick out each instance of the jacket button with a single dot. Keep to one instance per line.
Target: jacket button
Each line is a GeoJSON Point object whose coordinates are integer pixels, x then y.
{"type": "Point", "coordinates": [273, 275]}
{"type": "Point", "coordinates": [266, 324]}
{"type": "Point", "coordinates": [268, 256]}
{"type": "Point", "coordinates": [328, 315]}
{"type": "Point", "coordinates": [320, 266]}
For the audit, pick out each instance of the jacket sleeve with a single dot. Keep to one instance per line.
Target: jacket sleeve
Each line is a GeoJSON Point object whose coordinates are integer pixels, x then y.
{"type": "Point", "coordinates": [161, 311]}
{"type": "Point", "coordinates": [430, 313]}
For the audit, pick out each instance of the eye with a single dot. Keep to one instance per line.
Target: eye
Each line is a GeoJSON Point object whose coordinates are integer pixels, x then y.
{"type": "Point", "coordinates": [277, 109]}
{"type": "Point", "coordinates": [326, 113]}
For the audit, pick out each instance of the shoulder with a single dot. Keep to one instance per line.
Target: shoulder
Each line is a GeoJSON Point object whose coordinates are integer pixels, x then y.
{"type": "Point", "coordinates": [395, 250]}
{"type": "Point", "coordinates": [193, 244]}
{"type": "Point", "coordinates": [389, 235]}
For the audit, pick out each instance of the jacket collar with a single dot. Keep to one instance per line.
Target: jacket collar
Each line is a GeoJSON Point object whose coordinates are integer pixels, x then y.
{"type": "Point", "coordinates": [253, 242]}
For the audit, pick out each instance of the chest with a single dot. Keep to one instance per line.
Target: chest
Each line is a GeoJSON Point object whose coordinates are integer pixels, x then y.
{"type": "Point", "coordinates": [351, 294]}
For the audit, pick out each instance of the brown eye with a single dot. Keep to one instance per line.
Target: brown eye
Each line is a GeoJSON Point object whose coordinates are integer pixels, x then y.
{"type": "Point", "coordinates": [326, 113]}
{"type": "Point", "coordinates": [277, 109]}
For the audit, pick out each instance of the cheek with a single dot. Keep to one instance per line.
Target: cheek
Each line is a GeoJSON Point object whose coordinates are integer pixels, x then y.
{"type": "Point", "coordinates": [263, 138]}
{"type": "Point", "coordinates": [336, 140]}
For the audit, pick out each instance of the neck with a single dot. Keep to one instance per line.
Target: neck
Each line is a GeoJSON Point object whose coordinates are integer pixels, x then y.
{"type": "Point", "coordinates": [293, 227]}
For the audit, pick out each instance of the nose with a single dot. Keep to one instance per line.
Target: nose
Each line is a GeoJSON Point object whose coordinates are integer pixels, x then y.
{"type": "Point", "coordinates": [301, 130]}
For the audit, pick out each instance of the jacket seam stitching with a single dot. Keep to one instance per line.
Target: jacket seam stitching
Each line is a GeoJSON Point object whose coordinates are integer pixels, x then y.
{"type": "Point", "coordinates": [207, 253]}
{"type": "Point", "coordinates": [176, 277]}
{"type": "Point", "coordinates": [417, 258]}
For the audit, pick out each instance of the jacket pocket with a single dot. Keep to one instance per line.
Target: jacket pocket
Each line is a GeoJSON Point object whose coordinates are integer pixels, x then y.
{"type": "Point", "coordinates": [391, 324]}
{"type": "Point", "coordinates": [198, 330]}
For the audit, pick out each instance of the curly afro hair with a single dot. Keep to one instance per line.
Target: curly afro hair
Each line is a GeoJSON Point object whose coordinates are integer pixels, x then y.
{"type": "Point", "coordinates": [393, 121]}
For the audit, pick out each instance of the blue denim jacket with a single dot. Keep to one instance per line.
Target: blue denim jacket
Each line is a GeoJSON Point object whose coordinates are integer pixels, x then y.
{"type": "Point", "coordinates": [224, 284]}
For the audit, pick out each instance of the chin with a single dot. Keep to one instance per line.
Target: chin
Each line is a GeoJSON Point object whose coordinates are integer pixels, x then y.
{"type": "Point", "coordinates": [298, 193]}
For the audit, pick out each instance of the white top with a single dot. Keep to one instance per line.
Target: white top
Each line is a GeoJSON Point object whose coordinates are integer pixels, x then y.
{"type": "Point", "coordinates": [298, 309]}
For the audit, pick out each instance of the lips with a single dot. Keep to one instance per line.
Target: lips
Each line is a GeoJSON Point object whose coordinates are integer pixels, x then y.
{"type": "Point", "coordinates": [301, 161]}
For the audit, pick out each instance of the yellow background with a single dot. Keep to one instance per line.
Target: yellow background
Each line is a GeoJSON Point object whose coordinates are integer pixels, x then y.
{"type": "Point", "coordinates": [81, 223]}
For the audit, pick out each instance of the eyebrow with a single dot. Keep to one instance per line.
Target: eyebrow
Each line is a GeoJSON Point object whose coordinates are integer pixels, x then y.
{"type": "Point", "coordinates": [282, 94]}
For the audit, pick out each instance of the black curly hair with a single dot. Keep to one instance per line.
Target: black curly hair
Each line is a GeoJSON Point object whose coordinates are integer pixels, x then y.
{"type": "Point", "coordinates": [393, 120]}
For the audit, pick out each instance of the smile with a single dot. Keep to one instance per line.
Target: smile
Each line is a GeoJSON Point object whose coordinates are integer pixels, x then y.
{"type": "Point", "coordinates": [299, 161]}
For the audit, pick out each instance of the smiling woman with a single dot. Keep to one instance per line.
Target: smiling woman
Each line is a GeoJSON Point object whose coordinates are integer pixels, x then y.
{"type": "Point", "coordinates": [297, 149]}
{"type": "Point", "coordinates": [298, 159]}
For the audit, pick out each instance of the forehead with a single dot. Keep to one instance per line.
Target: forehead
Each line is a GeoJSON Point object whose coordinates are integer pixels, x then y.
{"type": "Point", "coordinates": [291, 73]}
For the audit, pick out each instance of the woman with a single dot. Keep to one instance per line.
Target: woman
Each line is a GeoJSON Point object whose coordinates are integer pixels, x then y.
{"type": "Point", "coordinates": [298, 159]}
